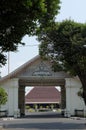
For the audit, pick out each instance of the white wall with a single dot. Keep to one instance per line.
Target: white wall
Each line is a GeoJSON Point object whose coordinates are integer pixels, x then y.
{"type": "Point", "coordinates": [73, 101]}
{"type": "Point", "coordinates": [11, 87]}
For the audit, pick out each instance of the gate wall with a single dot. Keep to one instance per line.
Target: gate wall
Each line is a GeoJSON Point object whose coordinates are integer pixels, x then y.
{"type": "Point", "coordinates": [38, 72]}
{"type": "Point", "coordinates": [73, 101]}
{"type": "Point", "coordinates": [11, 87]}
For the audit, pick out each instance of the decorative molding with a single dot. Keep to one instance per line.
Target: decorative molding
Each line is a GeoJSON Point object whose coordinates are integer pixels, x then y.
{"type": "Point", "coordinates": [41, 70]}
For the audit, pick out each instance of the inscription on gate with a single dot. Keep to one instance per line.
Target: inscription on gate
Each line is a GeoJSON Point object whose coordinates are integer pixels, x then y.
{"type": "Point", "coordinates": [42, 70]}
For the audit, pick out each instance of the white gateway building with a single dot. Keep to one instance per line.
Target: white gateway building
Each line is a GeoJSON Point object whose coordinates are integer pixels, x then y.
{"type": "Point", "coordinates": [37, 72]}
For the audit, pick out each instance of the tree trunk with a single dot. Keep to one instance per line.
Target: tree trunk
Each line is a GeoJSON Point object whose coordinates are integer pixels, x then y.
{"type": "Point", "coordinates": [83, 81]}
{"type": "Point", "coordinates": [84, 96]}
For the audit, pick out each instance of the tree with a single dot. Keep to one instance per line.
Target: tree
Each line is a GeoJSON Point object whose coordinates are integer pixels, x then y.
{"type": "Point", "coordinates": [21, 17]}
{"type": "Point", "coordinates": [65, 46]}
{"type": "Point", "coordinates": [3, 96]}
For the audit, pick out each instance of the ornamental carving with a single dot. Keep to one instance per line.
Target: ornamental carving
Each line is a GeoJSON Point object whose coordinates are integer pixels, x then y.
{"type": "Point", "coordinates": [41, 70]}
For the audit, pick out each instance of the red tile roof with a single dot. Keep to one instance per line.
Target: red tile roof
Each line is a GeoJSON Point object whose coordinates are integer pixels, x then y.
{"type": "Point", "coordinates": [43, 95]}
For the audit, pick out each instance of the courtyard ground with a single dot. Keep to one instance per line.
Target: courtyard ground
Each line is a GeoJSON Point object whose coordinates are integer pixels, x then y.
{"type": "Point", "coordinates": [44, 121]}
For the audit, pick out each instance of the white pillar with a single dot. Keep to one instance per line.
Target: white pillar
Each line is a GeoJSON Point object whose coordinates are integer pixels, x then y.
{"type": "Point", "coordinates": [73, 101]}
{"type": "Point", "coordinates": [11, 87]}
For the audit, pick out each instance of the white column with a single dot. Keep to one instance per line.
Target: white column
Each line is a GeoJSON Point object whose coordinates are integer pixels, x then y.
{"type": "Point", "coordinates": [73, 101]}
{"type": "Point", "coordinates": [11, 87]}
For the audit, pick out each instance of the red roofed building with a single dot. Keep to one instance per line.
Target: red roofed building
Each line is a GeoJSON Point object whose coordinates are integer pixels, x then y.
{"type": "Point", "coordinates": [44, 96]}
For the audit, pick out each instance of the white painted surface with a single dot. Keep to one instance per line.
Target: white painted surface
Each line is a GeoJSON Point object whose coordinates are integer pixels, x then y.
{"type": "Point", "coordinates": [73, 101]}
{"type": "Point", "coordinates": [11, 87]}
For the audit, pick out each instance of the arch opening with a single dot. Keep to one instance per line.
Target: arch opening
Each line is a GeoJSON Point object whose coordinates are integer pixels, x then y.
{"type": "Point", "coordinates": [41, 84]}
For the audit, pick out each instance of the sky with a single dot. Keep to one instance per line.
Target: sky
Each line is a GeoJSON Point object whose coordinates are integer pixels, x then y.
{"type": "Point", "coordinates": [70, 9]}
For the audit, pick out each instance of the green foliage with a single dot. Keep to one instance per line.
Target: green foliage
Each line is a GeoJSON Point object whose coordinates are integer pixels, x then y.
{"type": "Point", "coordinates": [65, 46]}
{"type": "Point", "coordinates": [80, 93]}
{"type": "Point", "coordinates": [3, 96]}
{"type": "Point", "coordinates": [27, 107]}
{"type": "Point", "coordinates": [31, 110]}
{"type": "Point", "coordinates": [21, 17]}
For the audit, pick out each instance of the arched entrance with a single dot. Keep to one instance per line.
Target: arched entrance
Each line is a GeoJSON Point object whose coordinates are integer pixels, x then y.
{"type": "Point", "coordinates": [37, 72]}
{"type": "Point", "coordinates": [41, 74]}
{"type": "Point", "coordinates": [43, 83]}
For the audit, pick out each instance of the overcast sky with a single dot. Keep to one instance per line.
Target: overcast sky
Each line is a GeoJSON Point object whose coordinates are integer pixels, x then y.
{"type": "Point", "coordinates": [70, 9]}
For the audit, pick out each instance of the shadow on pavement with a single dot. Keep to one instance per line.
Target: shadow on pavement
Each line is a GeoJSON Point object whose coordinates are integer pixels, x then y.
{"type": "Point", "coordinates": [45, 121]}
{"type": "Point", "coordinates": [43, 115]}
{"type": "Point", "coordinates": [47, 126]}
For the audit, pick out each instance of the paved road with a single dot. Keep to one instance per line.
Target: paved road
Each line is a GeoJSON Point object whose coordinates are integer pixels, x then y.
{"type": "Point", "coordinates": [44, 121]}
